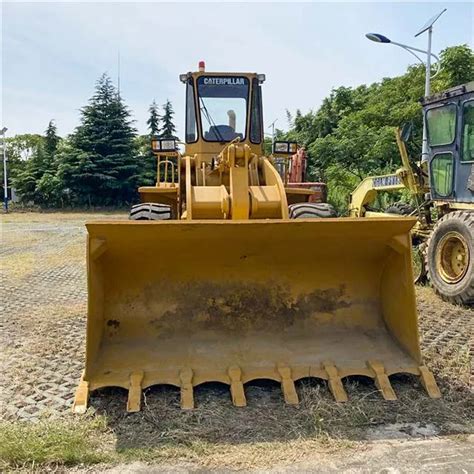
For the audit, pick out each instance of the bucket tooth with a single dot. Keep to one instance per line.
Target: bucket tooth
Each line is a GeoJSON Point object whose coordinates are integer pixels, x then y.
{"type": "Point", "coordinates": [382, 382]}
{"type": "Point", "coordinates": [428, 381]}
{"type": "Point", "coordinates": [187, 394]}
{"type": "Point", "coordinates": [287, 385]}
{"type": "Point", "coordinates": [237, 387]}
{"type": "Point", "coordinates": [335, 382]}
{"type": "Point", "coordinates": [82, 397]}
{"type": "Point", "coordinates": [135, 392]}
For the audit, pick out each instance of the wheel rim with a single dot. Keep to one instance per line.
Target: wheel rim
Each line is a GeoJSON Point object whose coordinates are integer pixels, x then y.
{"type": "Point", "coordinates": [452, 257]}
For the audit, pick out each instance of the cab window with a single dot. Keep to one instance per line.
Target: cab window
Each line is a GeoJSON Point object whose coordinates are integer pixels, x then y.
{"type": "Point", "coordinates": [467, 136]}
{"type": "Point", "coordinates": [223, 107]}
{"type": "Point", "coordinates": [256, 113]}
{"type": "Point", "coordinates": [442, 174]}
{"type": "Point", "coordinates": [191, 128]}
{"type": "Point", "coordinates": [441, 122]}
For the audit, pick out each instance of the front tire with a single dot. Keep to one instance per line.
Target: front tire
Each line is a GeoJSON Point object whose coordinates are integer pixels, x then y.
{"type": "Point", "coordinates": [311, 210]}
{"type": "Point", "coordinates": [150, 211]}
{"type": "Point", "coordinates": [450, 255]}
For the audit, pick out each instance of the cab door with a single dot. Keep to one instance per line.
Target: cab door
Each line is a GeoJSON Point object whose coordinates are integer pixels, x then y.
{"type": "Point", "coordinates": [441, 120]}
{"type": "Point", "coordinates": [464, 180]}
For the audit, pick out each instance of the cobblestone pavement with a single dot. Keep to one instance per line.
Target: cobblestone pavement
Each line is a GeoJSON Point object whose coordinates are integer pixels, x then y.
{"type": "Point", "coordinates": [43, 313]}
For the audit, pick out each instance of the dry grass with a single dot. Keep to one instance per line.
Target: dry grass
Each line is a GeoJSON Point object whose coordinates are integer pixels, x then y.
{"type": "Point", "coordinates": [218, 435]}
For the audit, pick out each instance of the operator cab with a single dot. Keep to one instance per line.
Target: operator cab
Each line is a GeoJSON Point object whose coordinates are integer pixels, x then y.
{"type": "Point", "coordinates": [221, 107]}
{"type": "Point", "coordinates": [449, 118]}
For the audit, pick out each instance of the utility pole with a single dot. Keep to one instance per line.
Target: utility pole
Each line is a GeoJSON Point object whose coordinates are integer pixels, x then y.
{"type": "Point", "coordinates": [272, 125]}
{"type": "Point", "coordinates": [5, 178]}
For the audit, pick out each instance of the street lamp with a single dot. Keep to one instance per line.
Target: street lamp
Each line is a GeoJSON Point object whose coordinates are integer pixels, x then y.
{"type": "Point", "coordinates": [3, 131]}
{"type": "Point", "coordinates": [378, 38]}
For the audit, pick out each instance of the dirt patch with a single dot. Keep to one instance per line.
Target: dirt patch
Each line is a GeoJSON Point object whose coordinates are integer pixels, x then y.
{"type": "Point", "coordinates": [239, 306]}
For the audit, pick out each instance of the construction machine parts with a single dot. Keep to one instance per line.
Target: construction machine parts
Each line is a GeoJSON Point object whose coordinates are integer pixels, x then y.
{"type": "Point", "coordinates": [150, 211]}
{"type": "Point", "coordinates": [418, 247]}
{"type": "Point", "coordinates": [189, 302]}
{"type": "Point", "coordinates": [400, 208]}
{"type": "Point", "coordinates": [449, 257]}
{"type": "Point", "coordinates": [418, 261]}
{"type": "Point", "coordinates": [310, 210]}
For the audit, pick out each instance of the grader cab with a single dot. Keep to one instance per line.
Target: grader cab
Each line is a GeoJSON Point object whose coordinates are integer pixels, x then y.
{"type": "Point", "coordinates": [212, 281]}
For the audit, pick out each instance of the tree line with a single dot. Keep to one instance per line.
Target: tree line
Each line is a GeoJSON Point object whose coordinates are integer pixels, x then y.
{"type": "Point", "coordinates": [350, 136]}
{"type": "Point", "coordinates": [100, 164]}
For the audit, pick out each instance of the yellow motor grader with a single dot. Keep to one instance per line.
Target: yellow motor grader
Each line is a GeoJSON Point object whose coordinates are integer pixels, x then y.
{"type": "Point", "coordinates": [211, 281]}
{"type": "Point", "coordinates": [442, 188]}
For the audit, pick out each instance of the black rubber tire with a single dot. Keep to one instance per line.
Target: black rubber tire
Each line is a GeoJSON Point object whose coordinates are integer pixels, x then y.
{"type": "Point", "coordinates": [150, 211]}
{"type": "Point", "coordinates": [461, 292]}
{"type": "Point", "coordinates": [400, 208]}
{"type": "Point", "coordinates": [311, 210]}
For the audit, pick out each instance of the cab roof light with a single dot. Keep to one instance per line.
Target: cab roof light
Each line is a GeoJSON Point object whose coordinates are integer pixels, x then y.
{"type": "Point", "coordinates": [184, 77]}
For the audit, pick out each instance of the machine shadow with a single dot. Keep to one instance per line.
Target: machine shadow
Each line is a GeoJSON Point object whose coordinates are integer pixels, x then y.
{"type": "Point", "coordinates": [266, 418]}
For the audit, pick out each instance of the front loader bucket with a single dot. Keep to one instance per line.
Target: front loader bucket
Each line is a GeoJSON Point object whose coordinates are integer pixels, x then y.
{"type": "Point", "coordinates": [188, 302]}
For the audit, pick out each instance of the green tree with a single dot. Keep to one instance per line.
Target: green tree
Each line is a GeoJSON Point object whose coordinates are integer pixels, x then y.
{"type": "Point", "coordinates": [99, 166]}
{"type": "Point", "coordinates": [168, 129]}
{"type": "Point", "coordinates": [37, 180]}
{"type": "Point", "coordinates": [51, 139]}
{"type": "Point", "coordinates": [20, 149]}
{"type": "Point", "coordinates": [457, 65]}
{"type": "Point", "coordinates": [153, 121]}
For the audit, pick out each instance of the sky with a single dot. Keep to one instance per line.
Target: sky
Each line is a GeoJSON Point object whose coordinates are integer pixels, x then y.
{"type": "Point", "coordinates": [53, 53]}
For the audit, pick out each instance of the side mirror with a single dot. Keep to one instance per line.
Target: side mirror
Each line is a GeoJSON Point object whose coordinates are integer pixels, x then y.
{"type": "Point", "coordinates": [406, 132]}
{"type": "Point", "coordinates": [284, 148]}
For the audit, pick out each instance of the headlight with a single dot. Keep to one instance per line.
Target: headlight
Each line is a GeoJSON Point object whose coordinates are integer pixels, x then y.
{"type": "Point", "coordinates": [163, 144]}
{"type": "Point", "coordinates": [285, 148]}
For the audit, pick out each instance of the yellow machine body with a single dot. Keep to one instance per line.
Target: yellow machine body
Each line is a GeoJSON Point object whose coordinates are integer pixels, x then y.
{"type": "Point", "coordinates": [232, 291]}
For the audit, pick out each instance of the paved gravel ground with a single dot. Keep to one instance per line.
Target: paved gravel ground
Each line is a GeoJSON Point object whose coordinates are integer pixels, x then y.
{"type": "Point", "coordinates": [43, 308]}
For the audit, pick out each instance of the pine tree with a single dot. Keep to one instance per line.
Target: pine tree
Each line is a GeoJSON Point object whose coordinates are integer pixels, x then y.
{"type": "Point", "coordinates": [147, 157]}
{"type": "Point", "coordinates": [100, 167]}
{"type": "Point", "coordinates": [37, 181]}
{"type": "Point", "coordinates": [153, 121]}
{"type": "Point", "coordinates": [51, 139]}
{"type": "Point", "coordinates": [168, 128]}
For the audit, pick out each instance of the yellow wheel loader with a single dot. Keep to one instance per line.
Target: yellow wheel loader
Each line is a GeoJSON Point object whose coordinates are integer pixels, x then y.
{"type": "Point", "coordinates": [211, 281]}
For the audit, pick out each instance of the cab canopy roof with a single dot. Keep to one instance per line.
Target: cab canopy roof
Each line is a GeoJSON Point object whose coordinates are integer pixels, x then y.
{"type": "Point", "coordinates": [448, 94]}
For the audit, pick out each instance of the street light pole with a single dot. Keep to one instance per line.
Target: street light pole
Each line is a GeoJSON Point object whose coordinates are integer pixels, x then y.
{"type": "Point", "coordinates": [378, 38]}
{"type": "Point", "coordinates": [5, 178]}
{"type": "Point", "coordinates": [273, 131]}
{"type": "Point", "coordinates": [424, 149]}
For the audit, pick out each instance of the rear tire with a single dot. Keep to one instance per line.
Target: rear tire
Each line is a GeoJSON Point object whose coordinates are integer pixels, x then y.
{"type": "Point", "coordinates": [150, 211]}
{"type": "Point", "coordinates": [400, 208]}
{"type": "Point", "coordinates": [449, 258]}
{"type": "Point", "coordinates": [311, 210]}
